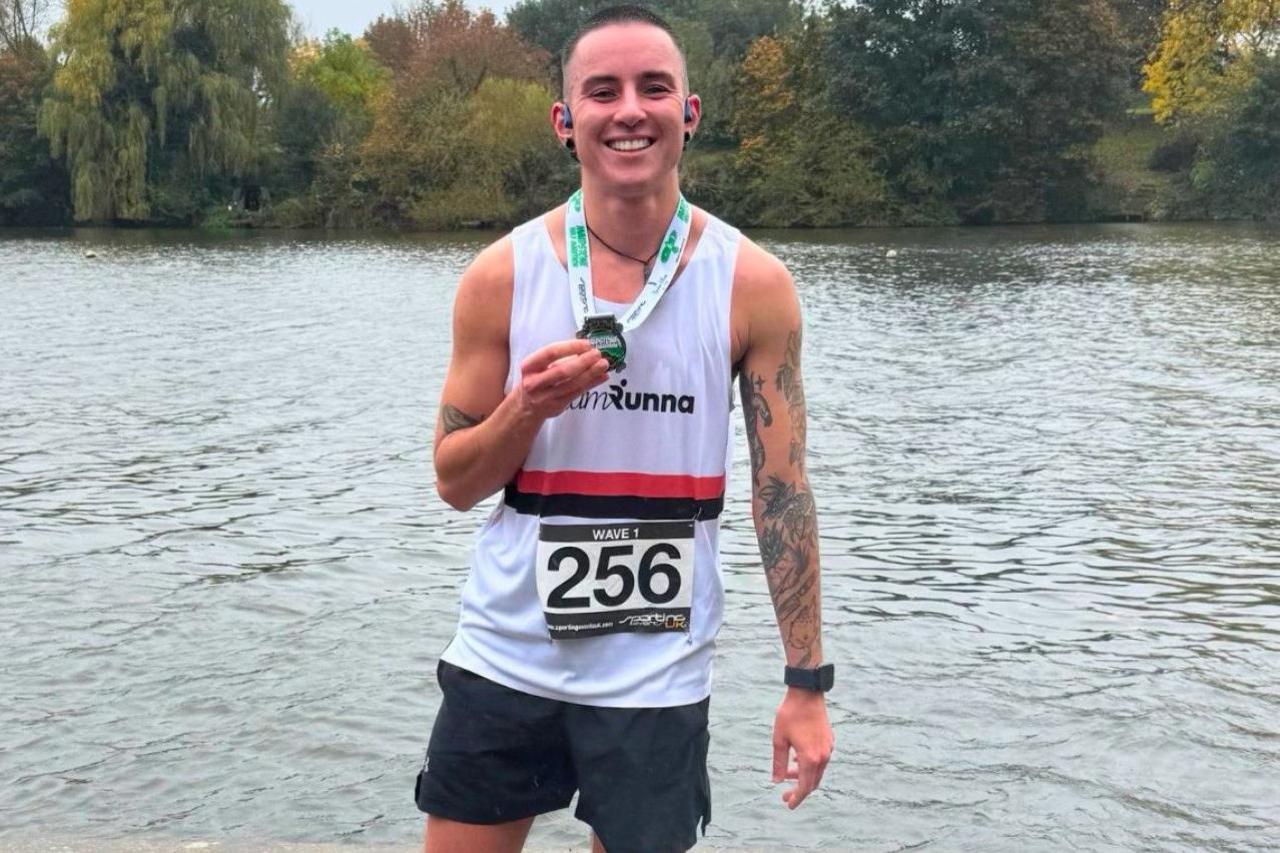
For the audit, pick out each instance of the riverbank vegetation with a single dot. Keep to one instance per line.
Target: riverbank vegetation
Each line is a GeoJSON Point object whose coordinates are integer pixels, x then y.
{"type": "Point", "coordinates": [877, 112]}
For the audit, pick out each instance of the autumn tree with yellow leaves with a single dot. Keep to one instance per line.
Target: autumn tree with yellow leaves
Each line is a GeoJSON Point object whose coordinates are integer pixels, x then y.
{"type": "Point", "coordinates": [1216, 75]}
{"type": "Point", "coordinates": [1206, 52]}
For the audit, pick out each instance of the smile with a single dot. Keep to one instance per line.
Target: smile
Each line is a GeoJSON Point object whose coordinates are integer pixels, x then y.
{"type": "Point", "coordinates": [629, 144]}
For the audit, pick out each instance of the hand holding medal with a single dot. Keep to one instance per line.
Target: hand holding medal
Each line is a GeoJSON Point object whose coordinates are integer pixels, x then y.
{"type": "Point", "coordinates": [553, 377]}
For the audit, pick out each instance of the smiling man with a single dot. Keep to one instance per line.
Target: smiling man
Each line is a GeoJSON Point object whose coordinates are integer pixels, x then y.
{"type": "Point", "coordinates": [591, 382]}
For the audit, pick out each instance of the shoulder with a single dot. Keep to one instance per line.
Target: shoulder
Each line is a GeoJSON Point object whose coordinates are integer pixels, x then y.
{"type": "Point", "coordinates": [483, 299]}
{"type": "Point", "coordinates": [492, 271]}
{"type": "Point", "coordinates": [765, 304]}
{"type": "Point", "coordinates": [758, 276]}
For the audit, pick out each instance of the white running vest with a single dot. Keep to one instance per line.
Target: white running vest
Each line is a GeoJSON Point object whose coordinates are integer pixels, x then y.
{"type": "Point", "coordinates": [650, 445]}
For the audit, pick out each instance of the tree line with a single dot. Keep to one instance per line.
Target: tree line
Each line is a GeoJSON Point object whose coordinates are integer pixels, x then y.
{"type": "Point", "coordinates": [876, 112]}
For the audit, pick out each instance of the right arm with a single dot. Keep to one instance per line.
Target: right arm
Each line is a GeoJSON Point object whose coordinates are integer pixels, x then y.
{"type": "Point", "coordinates": [483, 434]}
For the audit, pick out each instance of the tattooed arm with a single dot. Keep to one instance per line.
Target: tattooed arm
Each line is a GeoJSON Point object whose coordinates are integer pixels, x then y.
{"type": "Point", "coordinates": [768, 338]}
{"type": "Point", "coordinates": [483, 433]}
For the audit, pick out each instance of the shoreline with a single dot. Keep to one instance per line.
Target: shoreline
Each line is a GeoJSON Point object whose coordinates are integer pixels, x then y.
{"type": "Point", "coordinates": [134, 844]}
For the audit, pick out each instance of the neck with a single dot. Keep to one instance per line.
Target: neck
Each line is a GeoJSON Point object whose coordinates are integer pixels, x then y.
{"type": "Point", "coordinates": [633, 224]}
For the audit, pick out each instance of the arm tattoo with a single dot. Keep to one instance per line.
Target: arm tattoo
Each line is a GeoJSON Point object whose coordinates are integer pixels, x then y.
{"type": "Point", "coordinates": [453, 419]}
{"type": "Point", "coordinates": [787, 525]}
{"type": "Point", "coordinates": [786, 520]}
{"type": "Point", "coordinates": [755, 408]}
{"type": "Point", "coordinates": [788, 382]}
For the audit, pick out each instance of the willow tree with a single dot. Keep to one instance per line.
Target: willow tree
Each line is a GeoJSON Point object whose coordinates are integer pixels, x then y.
{"type": "Point", "coordinates": [154, 99]}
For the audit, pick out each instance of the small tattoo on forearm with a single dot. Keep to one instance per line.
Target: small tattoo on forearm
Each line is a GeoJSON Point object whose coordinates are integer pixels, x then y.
{"type": "Point", "coordinates": [453, 419]}
{"type": "Point", "coordinates": [755, 409]}
{"type": "Point", "coordinates": [789, 383]}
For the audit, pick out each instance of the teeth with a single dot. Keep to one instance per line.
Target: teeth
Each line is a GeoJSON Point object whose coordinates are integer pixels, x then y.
{"type": "Point", "coordinates": [629, 144]}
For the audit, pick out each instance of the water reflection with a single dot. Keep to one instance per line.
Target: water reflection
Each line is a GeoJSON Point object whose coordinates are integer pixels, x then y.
{"type": "Point", "coordinates": [1046, 467]}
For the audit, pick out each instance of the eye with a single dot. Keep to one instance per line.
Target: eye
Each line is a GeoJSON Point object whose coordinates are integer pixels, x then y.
{"type": "Point", "coordinates": [600, 94]}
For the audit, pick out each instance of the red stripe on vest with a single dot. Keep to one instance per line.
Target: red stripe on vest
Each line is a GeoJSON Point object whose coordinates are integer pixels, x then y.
{"type": "Point", "coordinates": [620, 483]}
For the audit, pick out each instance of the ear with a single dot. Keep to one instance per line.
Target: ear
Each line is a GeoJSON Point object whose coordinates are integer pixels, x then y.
{"type": "Point", "coordinates": [692, 113]}
{"type": "Point", "coordinates": [561, 121]}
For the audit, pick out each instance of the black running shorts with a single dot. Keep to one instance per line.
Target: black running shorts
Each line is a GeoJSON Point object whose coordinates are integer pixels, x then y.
{"type": "Point", "coordinates": [497, 755]}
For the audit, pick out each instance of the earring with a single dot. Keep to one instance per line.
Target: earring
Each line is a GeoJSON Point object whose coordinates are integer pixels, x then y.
{"type": "Point", "coordinates": [568, 144]}
{"type": "Point", "coordinates": [688, 137]}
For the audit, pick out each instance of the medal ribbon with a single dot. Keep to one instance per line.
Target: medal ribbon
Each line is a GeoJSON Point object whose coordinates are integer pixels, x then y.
{"type": "Point", "coordinates": [578, 254]}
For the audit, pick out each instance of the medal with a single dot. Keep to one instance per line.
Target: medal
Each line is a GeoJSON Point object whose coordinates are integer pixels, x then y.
{"type": "Point", "coordinates": [605, 330]}
{"type": "Point", "coordinates": [605, 334]}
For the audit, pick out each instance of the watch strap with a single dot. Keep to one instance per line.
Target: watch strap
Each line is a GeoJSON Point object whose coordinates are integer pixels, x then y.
{"type": "Point", "coordinates": [819, 679]}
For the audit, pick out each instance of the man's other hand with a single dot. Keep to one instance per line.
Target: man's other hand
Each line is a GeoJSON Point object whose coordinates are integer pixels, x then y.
{"type": "Point", "coordinates": [801, 727]}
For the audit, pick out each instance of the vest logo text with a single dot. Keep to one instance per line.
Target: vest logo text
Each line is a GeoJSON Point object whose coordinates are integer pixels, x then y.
{"type": "Point", "coordinates": [618, 397]}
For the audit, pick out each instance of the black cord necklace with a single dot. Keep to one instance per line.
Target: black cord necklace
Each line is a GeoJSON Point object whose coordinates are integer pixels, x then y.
{"type": "Point", "coordinates": [644, 263]}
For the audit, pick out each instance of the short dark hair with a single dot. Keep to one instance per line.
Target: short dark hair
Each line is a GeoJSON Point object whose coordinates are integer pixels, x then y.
{"type": "Point", "coordinates": [623, 14]}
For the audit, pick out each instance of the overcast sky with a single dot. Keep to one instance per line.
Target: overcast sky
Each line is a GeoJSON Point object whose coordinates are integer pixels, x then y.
{"type": "Point", "coordinates": [319, 16]}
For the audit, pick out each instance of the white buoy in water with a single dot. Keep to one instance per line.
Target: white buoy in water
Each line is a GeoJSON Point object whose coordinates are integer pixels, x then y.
{"type": "Point", "coordinates": [91, 254]}
{"type": "Point", "coordinates": [892, 253]}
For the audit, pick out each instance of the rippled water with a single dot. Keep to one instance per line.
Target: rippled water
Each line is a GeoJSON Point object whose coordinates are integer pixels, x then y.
{"type": "Point", "coordinates": [1048, 472]}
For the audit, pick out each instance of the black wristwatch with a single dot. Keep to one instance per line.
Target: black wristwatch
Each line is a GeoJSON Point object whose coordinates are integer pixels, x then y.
{"type": "Point", "coordinates": [819, 679]}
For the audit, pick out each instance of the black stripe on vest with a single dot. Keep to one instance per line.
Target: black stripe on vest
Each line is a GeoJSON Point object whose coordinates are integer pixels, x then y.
{"type": "Point", "coordinates": [612, 506]}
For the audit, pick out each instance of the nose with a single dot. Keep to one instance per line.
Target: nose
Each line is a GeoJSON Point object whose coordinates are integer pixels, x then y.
{"type": "Point", "coordinates": [629, 111]}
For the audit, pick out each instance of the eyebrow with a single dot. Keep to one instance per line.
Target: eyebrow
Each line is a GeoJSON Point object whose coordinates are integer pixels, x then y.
{"type": "Point", "coordinates": [598, 79]}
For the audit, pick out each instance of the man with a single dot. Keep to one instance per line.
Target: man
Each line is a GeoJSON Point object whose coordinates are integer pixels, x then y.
{"type": "Point", "coordinates": [593, 356]}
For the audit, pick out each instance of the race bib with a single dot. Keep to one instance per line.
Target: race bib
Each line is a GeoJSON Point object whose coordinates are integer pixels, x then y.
{"type": "Point", "coordinates": [598, 579]}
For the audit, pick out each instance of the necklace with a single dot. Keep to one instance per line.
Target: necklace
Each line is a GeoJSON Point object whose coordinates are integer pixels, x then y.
{"type": "Point", "coordinates": [605, 331]}
{"type": "Point", "coordinates": [643, 262]}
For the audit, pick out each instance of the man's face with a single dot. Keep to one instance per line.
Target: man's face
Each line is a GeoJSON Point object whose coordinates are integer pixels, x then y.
{"type": "Point", "coordinates": [625, 87]}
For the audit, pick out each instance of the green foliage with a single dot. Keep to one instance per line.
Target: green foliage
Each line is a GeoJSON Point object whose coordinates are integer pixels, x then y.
{"type": "Point", "coordinates": [441, 159]}
{"type": "Point", "coordinates": [1139, 23]}
{"type": "Point", "coordinates": [33, 187]}
{"type": "Point", "coordinates": [878, 111]}
{"type": "Point", "coordinates": [156, 104]}
{"type": "Point", "coordinates": [735, 24]}
{"type": "Point", "coordinates": [549, 24]}
{"type": "Point", "coordinates": [1237, 173]}
{"type": "Point", "coordinates": [320, 122]}
{"type": "Point", "coordinates": [984, 106]}
{"type": "Point", "coordinates": [461, 136]}
{"type": "Point", "coordinates": [798, 163]}
{"type": "Point", "coordinates": [346, 72]}
{"type": "Point", "coordinates": [303, 123]}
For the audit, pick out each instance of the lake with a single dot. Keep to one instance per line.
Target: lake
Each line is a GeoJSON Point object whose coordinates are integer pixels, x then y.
{"type": "Point", "coordinates": [1047, 468]}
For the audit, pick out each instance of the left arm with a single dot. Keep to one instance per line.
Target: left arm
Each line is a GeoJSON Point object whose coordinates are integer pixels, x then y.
{"type": "Point", "coordinates": [773, 405]}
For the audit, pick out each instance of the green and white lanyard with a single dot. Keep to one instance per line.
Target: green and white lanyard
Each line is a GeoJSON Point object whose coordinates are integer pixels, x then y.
{"type": "Point", "coordinates": [605, 330]}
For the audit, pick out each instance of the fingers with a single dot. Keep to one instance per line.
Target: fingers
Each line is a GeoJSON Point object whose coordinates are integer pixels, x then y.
{"type": "Point", "coordinates": [780, 750]}
{"type": "Point", "coordinates": [804, 784]}
{"type": "Point", "coordinates": [570, 369]}
{"type": "Point", "coordinates": [807, 774]}
{"type": "Point", "coordinates": [561, 363]}
{"type": "Point", "coordinates": [567, 378]}
{"type": "Point", "coordinates": [559, 373]}
{"type": "Point", "coordinates": [540, 360]}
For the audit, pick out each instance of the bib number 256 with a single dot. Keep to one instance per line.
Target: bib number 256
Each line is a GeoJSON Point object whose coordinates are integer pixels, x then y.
{"type": "Point", "coordinates": [608, 578]}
